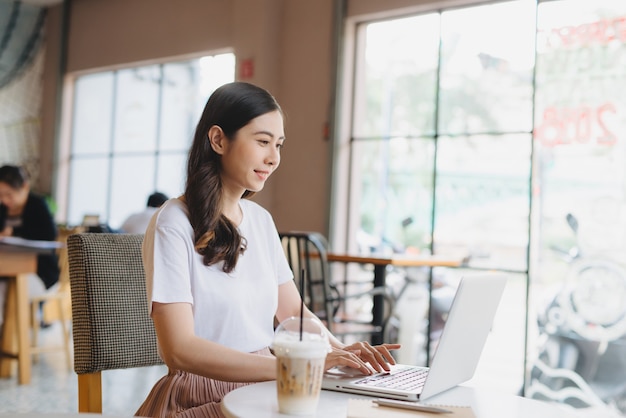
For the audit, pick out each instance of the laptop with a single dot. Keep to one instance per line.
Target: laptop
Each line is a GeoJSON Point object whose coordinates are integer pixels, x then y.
{"type": "Point", "coordinates": [91, 220]}
{"type": "Point", "coordinates": [460, 346]}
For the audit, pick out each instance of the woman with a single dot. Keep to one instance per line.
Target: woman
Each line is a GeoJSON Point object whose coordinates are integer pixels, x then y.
{"type": "Point", "coordinates": [216, 272]}
{"type": "Point", "coordinates": [25, 214]}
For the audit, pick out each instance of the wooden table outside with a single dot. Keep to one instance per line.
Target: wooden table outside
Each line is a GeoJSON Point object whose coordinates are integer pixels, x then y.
{"type": "Point", "coordinates": [380, 264]}
{"type": "Point", "coordinates": [16, 263]}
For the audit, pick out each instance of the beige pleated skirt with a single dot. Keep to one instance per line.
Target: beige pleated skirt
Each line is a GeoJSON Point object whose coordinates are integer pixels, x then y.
{"type": "Point", "coordinates": [185, 395]}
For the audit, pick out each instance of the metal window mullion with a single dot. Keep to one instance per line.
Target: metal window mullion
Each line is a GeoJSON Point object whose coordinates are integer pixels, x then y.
{"type": "Point", "coordinates": [155, 173]}
{"type": "Point", "coordinates": [111, 153]}
{"type": "Point", "coordinates": [433, 209]}
{"type": "Point", "coordinates": [531, 180]}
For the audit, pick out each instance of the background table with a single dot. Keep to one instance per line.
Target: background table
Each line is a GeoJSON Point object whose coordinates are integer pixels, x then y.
{"type": "Point", "coordinates": [259, 401]}
{"type": "Point", "coordinates": [16, 263]}
{"type": "Point", "coordinates": [380, 263]}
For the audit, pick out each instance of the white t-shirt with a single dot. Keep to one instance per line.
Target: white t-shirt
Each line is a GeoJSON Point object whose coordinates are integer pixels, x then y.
{"type": "Point", "coordinates": [138, 222]}
{"type": "Point", "coordinates": [236, 309]}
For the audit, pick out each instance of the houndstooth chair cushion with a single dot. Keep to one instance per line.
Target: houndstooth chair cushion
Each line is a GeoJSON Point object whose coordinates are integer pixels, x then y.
{"type": "Point", "coordinates": [111, 325]}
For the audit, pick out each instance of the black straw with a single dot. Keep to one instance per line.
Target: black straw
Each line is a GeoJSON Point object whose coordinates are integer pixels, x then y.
{"type": "Point", "coordinates": [301, 302]}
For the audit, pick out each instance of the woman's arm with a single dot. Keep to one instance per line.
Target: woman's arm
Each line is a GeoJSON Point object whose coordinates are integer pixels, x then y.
{"type": "Point", "coordinates": [183, 350]}
{"type": "Point", "coordinates": [355, 355]}
{"type": "Point", "coordinates": [289, 303]}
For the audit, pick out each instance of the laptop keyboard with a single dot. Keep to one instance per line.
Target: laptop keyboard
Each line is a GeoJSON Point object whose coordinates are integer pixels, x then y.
{"type": "Point", "coordinates": [409, 378]}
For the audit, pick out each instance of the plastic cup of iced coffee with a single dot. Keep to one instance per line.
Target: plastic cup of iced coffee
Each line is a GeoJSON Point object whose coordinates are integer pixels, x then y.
{"type": "Point", "coordinates": [300, 358]}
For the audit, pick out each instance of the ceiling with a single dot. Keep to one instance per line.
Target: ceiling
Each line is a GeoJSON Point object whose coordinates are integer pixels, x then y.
{"type": "Point", "coordinates": [43, 3]}
{"type": "Point", "coordinates": [21, 30]}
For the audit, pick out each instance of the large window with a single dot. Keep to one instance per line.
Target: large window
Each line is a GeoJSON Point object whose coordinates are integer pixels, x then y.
{"type": "Point", "coordinates": [131, 130]}
{"type": "Point", "coordinates": [496, 131]}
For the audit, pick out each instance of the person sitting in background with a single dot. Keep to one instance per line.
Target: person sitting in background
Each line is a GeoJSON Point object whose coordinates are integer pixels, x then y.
{"type": "Point", "coordinates": [27, 215]}
{"type": "Point", "coordinates": [138, 222]}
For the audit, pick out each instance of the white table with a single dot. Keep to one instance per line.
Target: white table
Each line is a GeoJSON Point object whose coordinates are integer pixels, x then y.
{"type": "Point", "coordinates": [259, 401]}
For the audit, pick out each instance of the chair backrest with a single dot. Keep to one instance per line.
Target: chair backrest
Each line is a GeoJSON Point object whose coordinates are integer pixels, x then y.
{"type": "Point", "coordinates": [52, 311]}
{"type": "Point", "coordinates": [307, 252]}
{"type": "Point", "coordinates": [111, 325]}
{"type": "Point", "coordinates": [64, 233]}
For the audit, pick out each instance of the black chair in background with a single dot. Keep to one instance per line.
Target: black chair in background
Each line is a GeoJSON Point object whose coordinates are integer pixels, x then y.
{"type": "Point", "coordinates": [307, 252]}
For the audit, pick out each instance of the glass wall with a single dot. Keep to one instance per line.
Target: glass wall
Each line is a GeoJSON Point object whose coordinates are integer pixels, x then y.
{"type": "Point", "coordinates": [579, 282]}
{"type": "Point", "coordinates": [131, 130]}
{"type": "Point", "coordinates": [494, 132]}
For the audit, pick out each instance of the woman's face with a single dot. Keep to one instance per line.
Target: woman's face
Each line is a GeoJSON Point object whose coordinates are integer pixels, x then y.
{"type": "Point", "coordinates": [253, 154]}
{"type": "Point", "coordinates": [13, 199]}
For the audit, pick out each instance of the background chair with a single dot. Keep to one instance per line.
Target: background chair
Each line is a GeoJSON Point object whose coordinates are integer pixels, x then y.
{"type": "Point", "coordinates": [112, 327]}
{"type": "Point", "coordinates": [307, 251]}
{"type": "Point", "coordinates": [55, 305]}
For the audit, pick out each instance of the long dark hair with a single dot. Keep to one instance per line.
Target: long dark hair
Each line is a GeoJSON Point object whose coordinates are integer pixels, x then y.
{"type": "Point", "coordinates": [231, 107]}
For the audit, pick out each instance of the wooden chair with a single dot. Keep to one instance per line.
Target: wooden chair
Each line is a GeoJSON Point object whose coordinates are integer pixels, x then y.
{"type": "Point", "coordinates": [307, 251]}
{"type": "Point", "coordinates": [57, 305]}
{"type": "Point", "coordinates": [112, 327]}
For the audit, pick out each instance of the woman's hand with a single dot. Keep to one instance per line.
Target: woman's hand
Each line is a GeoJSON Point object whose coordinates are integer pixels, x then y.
{"type": "Point", "coordinates": [363, 356]}
{"type": "Point", "coordinates": [378, 356]}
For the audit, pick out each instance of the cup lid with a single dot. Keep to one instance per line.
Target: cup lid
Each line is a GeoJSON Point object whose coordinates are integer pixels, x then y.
{"type": "Point", "coordinates": [288, 332]}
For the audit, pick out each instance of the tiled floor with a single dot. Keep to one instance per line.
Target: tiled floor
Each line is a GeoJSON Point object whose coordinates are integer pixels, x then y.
{"type": "Point", "coordinates": [54, 387]}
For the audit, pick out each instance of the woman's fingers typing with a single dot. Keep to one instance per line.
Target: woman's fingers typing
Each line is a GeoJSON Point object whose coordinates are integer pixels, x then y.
{"type": "Point", "coordinates": [363, 356]}
{"type": "Point", "coordinates": [384, 351]}
{"type": "Point", "coordinates": [378, 357]}
{"type": "Point", "coordinates": [338, 357]}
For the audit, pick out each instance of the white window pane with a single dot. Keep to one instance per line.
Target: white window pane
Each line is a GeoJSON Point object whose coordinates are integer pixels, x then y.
{"type": "Point", "coordinates": [393, 194]}
{"type": "Point", "coordinates": [92, 114]}
{"type": "Point", "coordinates": [136, 109]}
{"type": "Point", "coordinates": [171, 174]}
{"type": "Point", "coordinates": [88, 188]}
{"type": "Point", "coordinates": [216, 70]}
{"type": "Point", "coordinates": [178, 106]}
{"type": "Point", "coordinates": [578, 290]}
{"type": "Point", "coordinates": [132, 181]}
{"type": "Point", "coordinates": [396, 87]}
{"type": "Point", "coordinates": [482, 199]}
{"type": "Point", "coordinates": [486, 76]}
